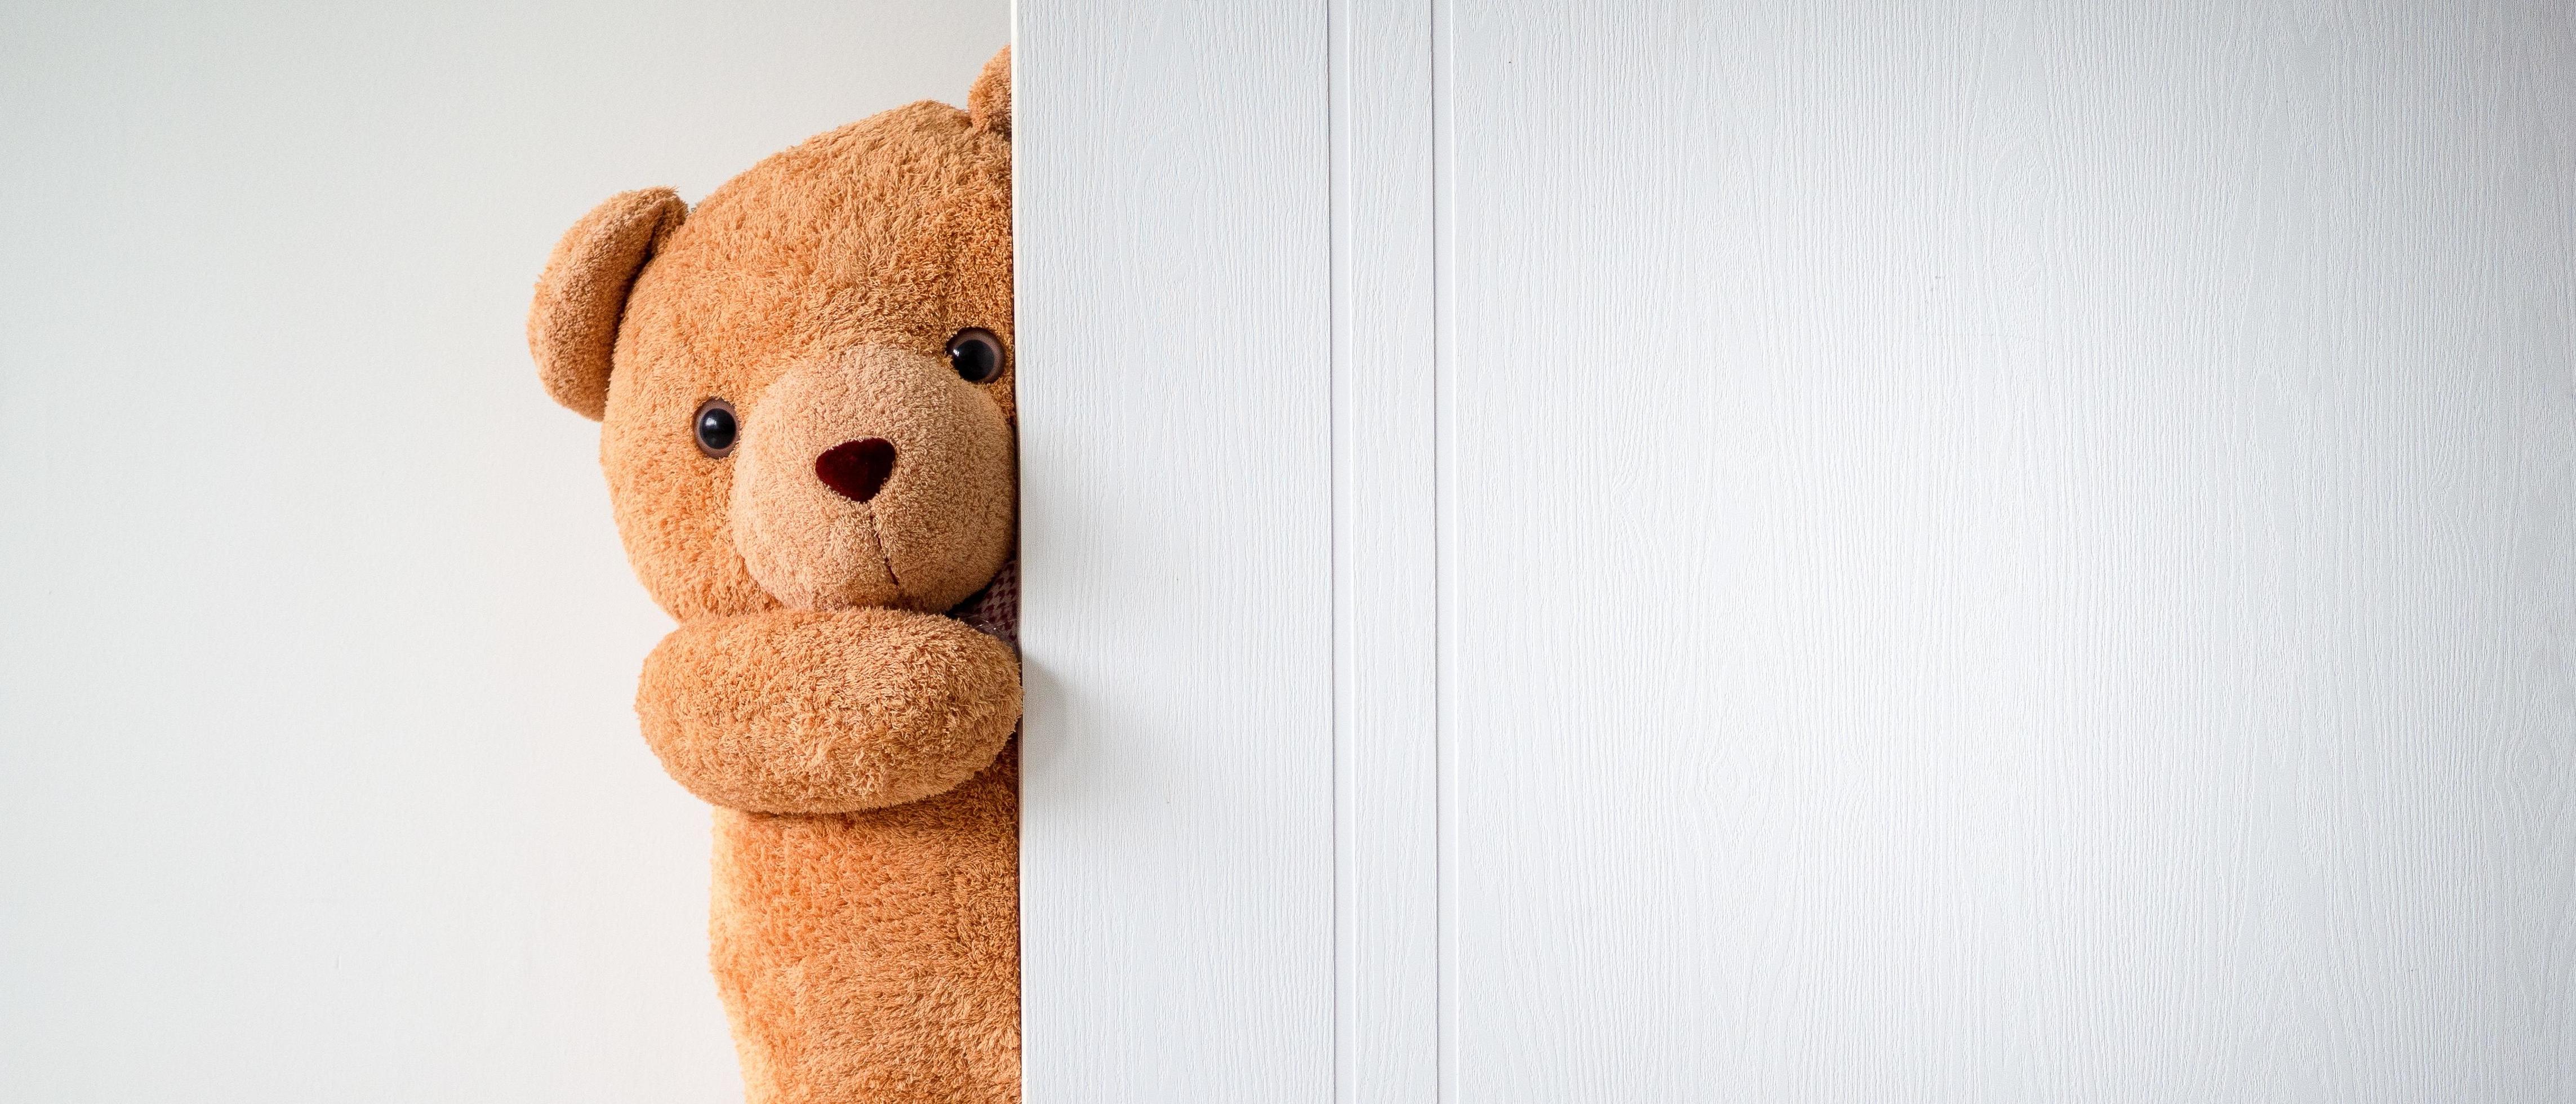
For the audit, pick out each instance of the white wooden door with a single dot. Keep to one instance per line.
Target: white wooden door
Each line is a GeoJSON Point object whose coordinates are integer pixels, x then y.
{"type": "Point", "coordinates": [1660, 551]}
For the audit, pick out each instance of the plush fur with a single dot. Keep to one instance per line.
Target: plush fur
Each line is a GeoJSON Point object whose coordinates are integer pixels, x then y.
{"type": "Point", "coordinates": [572, 327]}
{"type": "Point", "coordinates": [828, 711]}
{"type": "Point", "coordinates": [855, 741]}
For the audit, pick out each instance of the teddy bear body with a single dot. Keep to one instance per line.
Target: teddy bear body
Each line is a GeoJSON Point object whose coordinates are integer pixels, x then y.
{"type": "Point", "coordinates": [807, 428]}
{"type": "Point", "coordinates": [875, 955]}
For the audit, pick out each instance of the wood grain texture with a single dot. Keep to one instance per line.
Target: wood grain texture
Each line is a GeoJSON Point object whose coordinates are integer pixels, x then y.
{"type": "Point", "coordinates": [1173, 222]}
{"type": "Point", "coordinates": [2012, 551]}
{"type": "Point", "coordinates": [1997, 552]}
{"type": "Point", "coordinates": [1385, 613]}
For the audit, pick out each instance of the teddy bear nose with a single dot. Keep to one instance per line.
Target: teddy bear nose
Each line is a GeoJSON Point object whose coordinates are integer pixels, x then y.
{"type": "Point", "coordinates": [857, 469]}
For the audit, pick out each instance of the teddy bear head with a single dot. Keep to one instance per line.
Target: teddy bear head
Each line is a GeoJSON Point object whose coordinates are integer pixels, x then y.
{"type": "Point", "coordinates": [804, 384]}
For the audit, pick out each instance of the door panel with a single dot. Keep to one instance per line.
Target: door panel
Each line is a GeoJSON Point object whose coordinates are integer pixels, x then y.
{"type": "Point", "coordinates": [1177, 824]}
{"type": "Point", "coordinates": [1993, 552]}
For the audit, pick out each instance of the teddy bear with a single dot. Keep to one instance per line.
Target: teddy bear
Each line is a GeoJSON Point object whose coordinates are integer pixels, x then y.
{"type": "Point", "coordinates": [804, 390]}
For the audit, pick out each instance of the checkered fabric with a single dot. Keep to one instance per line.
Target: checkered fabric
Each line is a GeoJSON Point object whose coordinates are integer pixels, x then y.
{"type": "Point", "coordinates": [995, 610]}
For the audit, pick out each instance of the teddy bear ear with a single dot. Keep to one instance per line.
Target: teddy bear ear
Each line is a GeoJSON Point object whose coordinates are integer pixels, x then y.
{"type": "Point", "coordinates": [988, 103]}
{"type": "Point", "coordinates": [572, 324]}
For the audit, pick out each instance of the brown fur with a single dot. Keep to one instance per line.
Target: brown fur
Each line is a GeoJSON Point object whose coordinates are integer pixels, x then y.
{"type": "Point", "coordinates": [572, 326]}
{"type": "Point", "coordinates": [855, 743]}
{"type": "Point", "coordinates": [836, 711]}
{"type": "Point", "coordinates": [927, 549]}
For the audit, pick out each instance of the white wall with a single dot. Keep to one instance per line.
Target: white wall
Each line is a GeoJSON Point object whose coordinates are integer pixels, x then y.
{"type": "Point", "coordinates": [1984, 551]}
{"type": "Point", "coordinates": [318, 779]}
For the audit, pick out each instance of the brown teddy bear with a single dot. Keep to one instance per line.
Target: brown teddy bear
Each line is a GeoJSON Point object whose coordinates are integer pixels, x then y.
{"type": "Point", "coordinates": [804, 386]}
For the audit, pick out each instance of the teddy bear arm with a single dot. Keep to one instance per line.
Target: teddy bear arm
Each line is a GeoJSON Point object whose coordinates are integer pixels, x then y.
{"type": "Point", "coordinates": [794, 711]}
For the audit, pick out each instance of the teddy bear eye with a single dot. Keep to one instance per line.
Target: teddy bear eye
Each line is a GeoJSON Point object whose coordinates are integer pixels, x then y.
{"type": "Point", "coordinates": [714, 427]}
{"type": "Point", "coordinates": [976, 354]}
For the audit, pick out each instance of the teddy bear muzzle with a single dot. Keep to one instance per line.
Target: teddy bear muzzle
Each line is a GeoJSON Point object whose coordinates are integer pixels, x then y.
{"type": "Point", "coordinates": [877, 478]}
